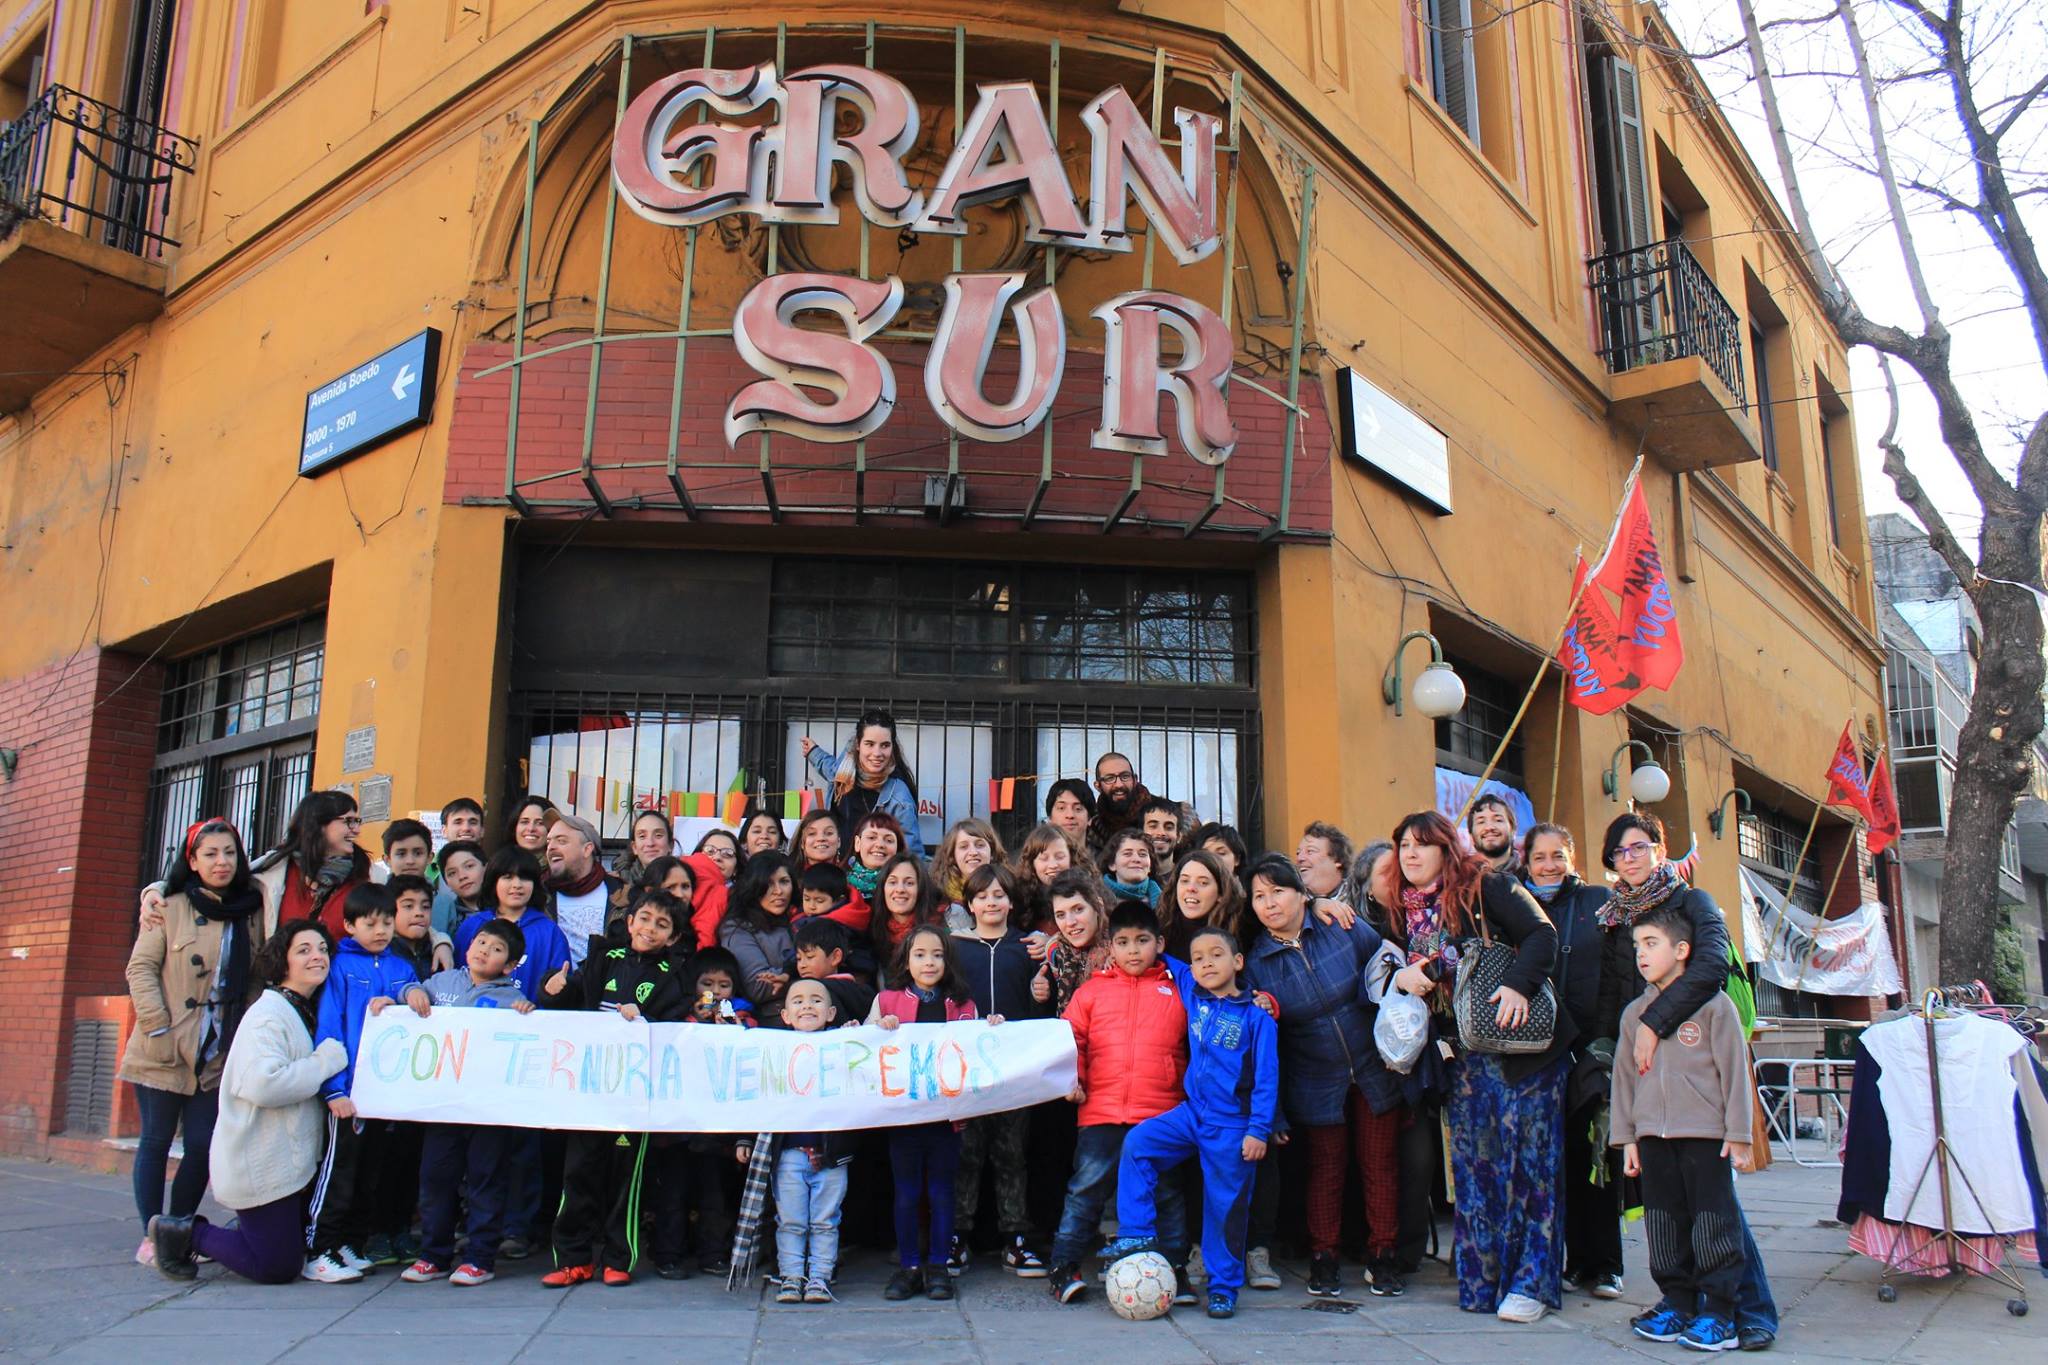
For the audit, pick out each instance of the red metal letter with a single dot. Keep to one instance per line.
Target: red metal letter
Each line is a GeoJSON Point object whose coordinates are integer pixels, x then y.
{"type": "Point", "coordinates": [1129, 160]}
{"type": "Point", "coordinates": [873, 154]}
{"type": "Point", "coordinates": [1007, 119]}
{"type": "Point", "coordinates": [958, 359]}
{"type": "Point", "coordinates": [764, 330]}
{"type": "Point", "coordinates": [1133, 377]}
{"type": "Point", "coordinates": [652, 155]}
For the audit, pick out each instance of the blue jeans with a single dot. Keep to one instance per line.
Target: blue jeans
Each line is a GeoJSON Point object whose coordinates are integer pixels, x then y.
{"type": "Point", "coordinates": [1754, 1306]}
{"type": "Point", "coordinates": [807, 1203]}
{"type": "Point", "coordinates": [162, 1112]}
{"type": "Point", "coordinates": [1098, 1148]}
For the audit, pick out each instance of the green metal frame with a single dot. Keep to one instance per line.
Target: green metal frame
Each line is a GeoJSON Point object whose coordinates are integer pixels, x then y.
{"type": "Point", "coordinates": [518, 490]}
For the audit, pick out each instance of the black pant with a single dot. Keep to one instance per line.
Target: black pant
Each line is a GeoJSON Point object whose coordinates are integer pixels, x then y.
{"type": "Point", "coordinates": [1420, 1152]}
{"type": "Point", "coordinates": [601, 1180]}
{"type": "Point", "coordinates": [345, 1187]}
{"type": "Point", "coordinates": [706, 1176]}
{"type": "Point", "coordinates": [1693, 1226]}
{"type": "Point", "coordinates": [665, 1190]}
{"type": "Point", "coordinates": [456, 1163]}
{"type": "Point", "coordinates": [1592, 1213]}
{"type": "Point", "coordinates": [398, 1179]}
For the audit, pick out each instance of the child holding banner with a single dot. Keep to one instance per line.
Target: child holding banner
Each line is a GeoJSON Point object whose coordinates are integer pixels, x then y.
{"type": "Point", "coordinates": [810, 1175]}
{"type": "Point", "coordinates": [924, 986]}
{"type": "Point", "coordinates": [631, 975]}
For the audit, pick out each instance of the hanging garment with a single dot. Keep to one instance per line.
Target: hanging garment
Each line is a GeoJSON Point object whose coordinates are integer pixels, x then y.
{"type": "Point", "coordinates": [1989, 1189]}
{"type": "Point", "coordinates": [1915, 1250]}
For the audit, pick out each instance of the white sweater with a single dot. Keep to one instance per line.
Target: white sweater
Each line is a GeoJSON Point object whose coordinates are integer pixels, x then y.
{"type": "Point", "coordinates": [272, 1127]}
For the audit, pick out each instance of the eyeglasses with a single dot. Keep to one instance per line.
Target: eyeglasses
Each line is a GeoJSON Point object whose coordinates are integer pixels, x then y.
{"type": "Point", "coordinates": [352, 821]}
{"type": "Point", "coordinates": [1117, 779]}
{"type": "Point", "coordinates": [1635, 850]}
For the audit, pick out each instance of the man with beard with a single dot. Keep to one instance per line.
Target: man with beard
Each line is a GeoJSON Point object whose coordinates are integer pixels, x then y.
{"type": "Point", "coordinates": [1122, 800]}
{"type": "Point", "coordinates": [1159, 820]}
{"type": "Point", "coordinates": [1491, 823]}
{"type": "Point", "coordinates": [582, 889]}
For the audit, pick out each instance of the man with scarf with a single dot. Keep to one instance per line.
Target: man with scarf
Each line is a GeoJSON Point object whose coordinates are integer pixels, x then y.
{"type": "Point", "coordinates": [582, 890]}
{"type": "Point", "coordinates": [1121, 801]}
{"type": "Point", "coordinates": [1491, 823]}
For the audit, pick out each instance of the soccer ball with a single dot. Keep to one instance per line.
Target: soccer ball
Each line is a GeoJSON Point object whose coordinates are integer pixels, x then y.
{"type": "Point", "coordinates": [1140, 1287]}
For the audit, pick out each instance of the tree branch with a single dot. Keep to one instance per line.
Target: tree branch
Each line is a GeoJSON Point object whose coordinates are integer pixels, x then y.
{"type": "Point", "coordinates": [2020, 103]}
{"type": "Point", "coordinates": [1930, 316]}
{"type": "Point", "coordinates": [1913, 495]}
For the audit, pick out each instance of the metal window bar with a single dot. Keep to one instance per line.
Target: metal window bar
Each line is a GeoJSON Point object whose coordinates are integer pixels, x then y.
{"type": "Point", "coordinates": [1658, 303]}
{"type": "Point", "coordinates": [92, 169]}
{"type": "Point", "coordinates": [519, 489]}
{"type": "Point", "coordinates": [1768, 841]}
{"type": "Point", "coordinates": [606, 755]}
{"type": "Point", "coordinates": [1466, 741]}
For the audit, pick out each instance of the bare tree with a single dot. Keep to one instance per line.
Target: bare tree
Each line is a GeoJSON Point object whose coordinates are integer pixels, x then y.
{"type": "Point", "coordinates": [1954, 50]}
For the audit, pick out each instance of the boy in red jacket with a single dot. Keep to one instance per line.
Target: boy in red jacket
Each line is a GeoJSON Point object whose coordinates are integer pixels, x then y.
{"type": "Point", "coordinates": [1131, 1046]}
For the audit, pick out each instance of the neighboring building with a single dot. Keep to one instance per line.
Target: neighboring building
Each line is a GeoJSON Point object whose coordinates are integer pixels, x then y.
{"type": "Point", "coordinates": [1482, 267]}
{"type": "Point", "coordinates": [1931, 636]}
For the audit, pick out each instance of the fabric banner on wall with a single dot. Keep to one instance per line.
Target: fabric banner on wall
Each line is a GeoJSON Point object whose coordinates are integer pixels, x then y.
{"type": "Point", "coordinates": [1802, 952]}
{"type": "Point", "coordinates": [1454, 789]}
{"type": "Point", "coordinates": [599, 1072]}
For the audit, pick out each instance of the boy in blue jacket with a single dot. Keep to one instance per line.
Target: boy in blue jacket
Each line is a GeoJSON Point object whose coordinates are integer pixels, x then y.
{"type": "Point", "coordinates": [365, 977]}
{"type": "Point", "coordinates": [1233, 1092]}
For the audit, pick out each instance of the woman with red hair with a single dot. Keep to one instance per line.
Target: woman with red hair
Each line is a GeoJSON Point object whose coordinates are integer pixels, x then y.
{"type": "Point", "coordinates": [1506, 1111]}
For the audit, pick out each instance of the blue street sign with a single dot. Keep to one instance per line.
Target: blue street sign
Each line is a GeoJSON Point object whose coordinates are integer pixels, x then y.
{"type": "Point", "coordinates": [378, 399]}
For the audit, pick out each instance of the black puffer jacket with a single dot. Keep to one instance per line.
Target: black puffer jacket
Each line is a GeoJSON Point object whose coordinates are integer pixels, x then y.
{"type": "Point", "coordinates": [1581, 955]}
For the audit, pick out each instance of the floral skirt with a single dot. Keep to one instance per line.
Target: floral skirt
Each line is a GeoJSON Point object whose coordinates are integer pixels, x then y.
{"type": "Point", "coordinates": [1507, 1146]}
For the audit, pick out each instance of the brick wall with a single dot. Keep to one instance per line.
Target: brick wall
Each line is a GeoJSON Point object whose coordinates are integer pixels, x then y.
{"type": "Point", "coordinates": [71, 839]}
{"type": "Point", "coordinates": [636, 385]}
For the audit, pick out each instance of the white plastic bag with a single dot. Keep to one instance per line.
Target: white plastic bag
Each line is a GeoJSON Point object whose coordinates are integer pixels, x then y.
{"type": "Point", "coordinates": [1401, 1030]}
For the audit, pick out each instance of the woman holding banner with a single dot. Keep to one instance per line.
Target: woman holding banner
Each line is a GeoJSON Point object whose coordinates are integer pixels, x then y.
{"type": "Point", "coordinates": [871, 774]}
{"type": "Point", "coordinates": [270, 1136]}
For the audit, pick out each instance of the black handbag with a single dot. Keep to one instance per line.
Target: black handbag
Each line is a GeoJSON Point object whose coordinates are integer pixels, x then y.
{"type": "Point", "coordinates": [1483, 966]}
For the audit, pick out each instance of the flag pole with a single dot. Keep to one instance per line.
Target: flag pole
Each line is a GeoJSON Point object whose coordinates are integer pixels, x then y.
{"type": "Point", "coordinates": [1792, 874]}
{"type": "Point", "coordinates": [1557, 751]}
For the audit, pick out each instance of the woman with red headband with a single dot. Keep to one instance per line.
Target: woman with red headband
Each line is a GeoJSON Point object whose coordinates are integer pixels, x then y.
{"type": "Point", "coordinates": [189, 978]}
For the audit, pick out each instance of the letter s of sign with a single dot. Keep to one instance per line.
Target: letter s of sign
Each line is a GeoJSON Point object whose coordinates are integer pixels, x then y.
{"type": "Point", "coordinates": [1133, 377]}
{"type": "Point", "coordinates": [958, 360]}
{"type": "Point", "coordinates": [654, 150]}
{"type": "Point", "coordinates": [859, 376]}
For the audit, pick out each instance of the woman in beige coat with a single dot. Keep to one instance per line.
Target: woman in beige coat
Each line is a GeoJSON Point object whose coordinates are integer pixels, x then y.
{"type": "Point", "coordinates": [188, 976]}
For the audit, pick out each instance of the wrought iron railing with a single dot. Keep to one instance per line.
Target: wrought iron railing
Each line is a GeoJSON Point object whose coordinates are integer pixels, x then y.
{"type": "Point", "coordinates": [1658, 303]}
{"type": "Point", "coordinates": [92, 169]}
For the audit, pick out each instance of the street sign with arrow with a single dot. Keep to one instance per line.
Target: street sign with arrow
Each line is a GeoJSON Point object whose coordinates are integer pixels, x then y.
{"type": "Point", "coordinates": [376, 400]}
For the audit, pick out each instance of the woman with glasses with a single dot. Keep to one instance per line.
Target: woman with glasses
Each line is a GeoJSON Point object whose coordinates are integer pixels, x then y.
{"type": "Point", "coordinates": [311, 871]}
{"type": "Point", "coordinates": [1634, 850]}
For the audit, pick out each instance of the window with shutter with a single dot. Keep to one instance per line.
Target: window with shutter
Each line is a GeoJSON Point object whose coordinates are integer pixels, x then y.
{"type": "Point", "coordinates": [1451, 70]}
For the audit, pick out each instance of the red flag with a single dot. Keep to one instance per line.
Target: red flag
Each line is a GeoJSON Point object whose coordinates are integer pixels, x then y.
{"type": "Point", "coordinates": [1633, 570]}
{"type": "Point", "coordinates": [1884, 808]}
{"type": "Point", "coordinates": [1596, 678]}
{"type": "Point", "coordinates": [1847, 786]}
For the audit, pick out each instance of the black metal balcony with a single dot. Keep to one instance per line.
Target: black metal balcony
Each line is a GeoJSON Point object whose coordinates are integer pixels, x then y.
{"type": "Point", "coordinates": [93, 170]}
{"type": "Point", "coordinates": [1658, 303]}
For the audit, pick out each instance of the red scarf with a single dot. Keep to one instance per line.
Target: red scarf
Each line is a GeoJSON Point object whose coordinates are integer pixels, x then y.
{"type": "Point", "coordinates": [579, 886]}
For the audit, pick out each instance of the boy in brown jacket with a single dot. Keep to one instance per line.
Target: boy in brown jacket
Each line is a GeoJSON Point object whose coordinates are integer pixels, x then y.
{"type": "Point", "coordinates": [1680, 1125]}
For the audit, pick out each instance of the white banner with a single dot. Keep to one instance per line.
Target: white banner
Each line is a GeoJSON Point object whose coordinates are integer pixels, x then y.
{"type": "Point", "coordinates": [1801, 952]}
{"type": "Point", "coordinates": [596, 1071]}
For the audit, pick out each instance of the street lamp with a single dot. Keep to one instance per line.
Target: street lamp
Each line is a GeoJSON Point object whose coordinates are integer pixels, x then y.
{"type": "Point", "coordinates": [1718, 820]}
{"type": "Point", "coordinates": [1438, 690]}
{"type": "Point", "coordinates": [1647, 784]}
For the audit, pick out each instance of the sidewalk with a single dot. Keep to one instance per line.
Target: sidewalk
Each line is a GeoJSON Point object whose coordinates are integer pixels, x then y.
{"type": "Point", "coordinates": [70, 1291]}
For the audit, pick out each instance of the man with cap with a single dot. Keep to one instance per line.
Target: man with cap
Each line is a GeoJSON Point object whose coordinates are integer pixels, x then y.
{"type": "Point", "coordinates": [576, 875]}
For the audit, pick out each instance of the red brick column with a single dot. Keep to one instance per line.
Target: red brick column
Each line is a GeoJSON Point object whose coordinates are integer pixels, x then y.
{"type": "Point", "coordinates": [71, 839]}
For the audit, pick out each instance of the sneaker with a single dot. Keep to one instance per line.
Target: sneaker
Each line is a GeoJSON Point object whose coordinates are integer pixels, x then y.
{"type": "Point", "coordinates": [1125, 1246]}
{"type": "Point", "coordinates": [325, 1269]}
{"type": "Point", "coordinates": [719, 1264]}
{"type": "Point", "coordinates": [467, 1274]}
{"type": "Point", "coordinates": [1385, 1281]}
{"type": "Point", "coordinates": [791, 1290]}
{"type": "Point", "coordinates": [1258, 1270]}
{"type": "Point", "coordinates": [1183, 1290]}
{"type": "Point", "coordinates": [615, 1278]}
{"type": "Point", "coordinates": [1658, 1324]}
{"type": "Point", "coordinates": [673, 1270]}
{"type": "Point", "coordinates": [956, 1256]}
{"type": "Point", "coordinates": [1196, 1271]}
{"type": "Point", "coordinates": [1067, 1284]}
{"type": "Point", "coordinates": [817, 1291]}
{"type": "Point", "coordinates": [422, 1271]}
{"type": "Point", "coordinates": [146, 1253]}
{"type": "Point", "coordinates": [906, 1283]}
{"type": "Point", "coordinates": [353, 1259]}
{"type": "Point", "coordinates": [568, 1276]}
{"type": "Point", "coordinates": [1520, 1308]}
{"type": "Point", "coordinates": [1756, 1338]}
{"type": "Point", "coordinates": [1606, 1286]}
{"type": "Point", "coordinates": [938, 1287]}
{"type": "Point", "coordinates": [1709, 1333]}
{"type": "Point", "coordinates": [170, 1247]}
{"type": "Point", "coordinates": [1021, 1261]}
{"type": "Point", "coordinates": [515, 1249]}
{"type": "Point", "coordinates": [1325, 1280]}
{"type": "Point", "coordinates": [380, 1250]}
{"type": "Point", "coordinates": [1222, 1304]}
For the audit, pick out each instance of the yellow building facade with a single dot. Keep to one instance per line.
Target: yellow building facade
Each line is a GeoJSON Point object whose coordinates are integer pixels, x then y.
{"type": "Point", "coordinates": [1529, 234]}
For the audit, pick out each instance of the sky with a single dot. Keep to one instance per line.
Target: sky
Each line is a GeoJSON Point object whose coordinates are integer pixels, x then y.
{"type": "Point", "coordinates": [1996, 360]}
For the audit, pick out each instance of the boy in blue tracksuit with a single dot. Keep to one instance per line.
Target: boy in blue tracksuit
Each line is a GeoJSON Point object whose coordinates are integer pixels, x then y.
{"type": "Point", "coordinates": [344, 1190]}
{"type": "Point", "coordinates": [1233, 1092]}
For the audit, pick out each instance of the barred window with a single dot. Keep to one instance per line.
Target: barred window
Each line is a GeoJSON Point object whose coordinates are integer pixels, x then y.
{"type": "Point", "coordinates": [1768, 840]}
{"type": "Point", "coordinates": [1466, 740]}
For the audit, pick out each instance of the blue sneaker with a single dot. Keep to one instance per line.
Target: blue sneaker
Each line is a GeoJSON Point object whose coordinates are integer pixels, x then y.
{"type": "Point", "coordinates": [1710, 1334]}
{"type": "Point", "coordinates": [1222, 1304]}
{"type": "Point", "coordinates": [1658, 1324]}
{"type": "Point", "coordinates": [1127, 1246]}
